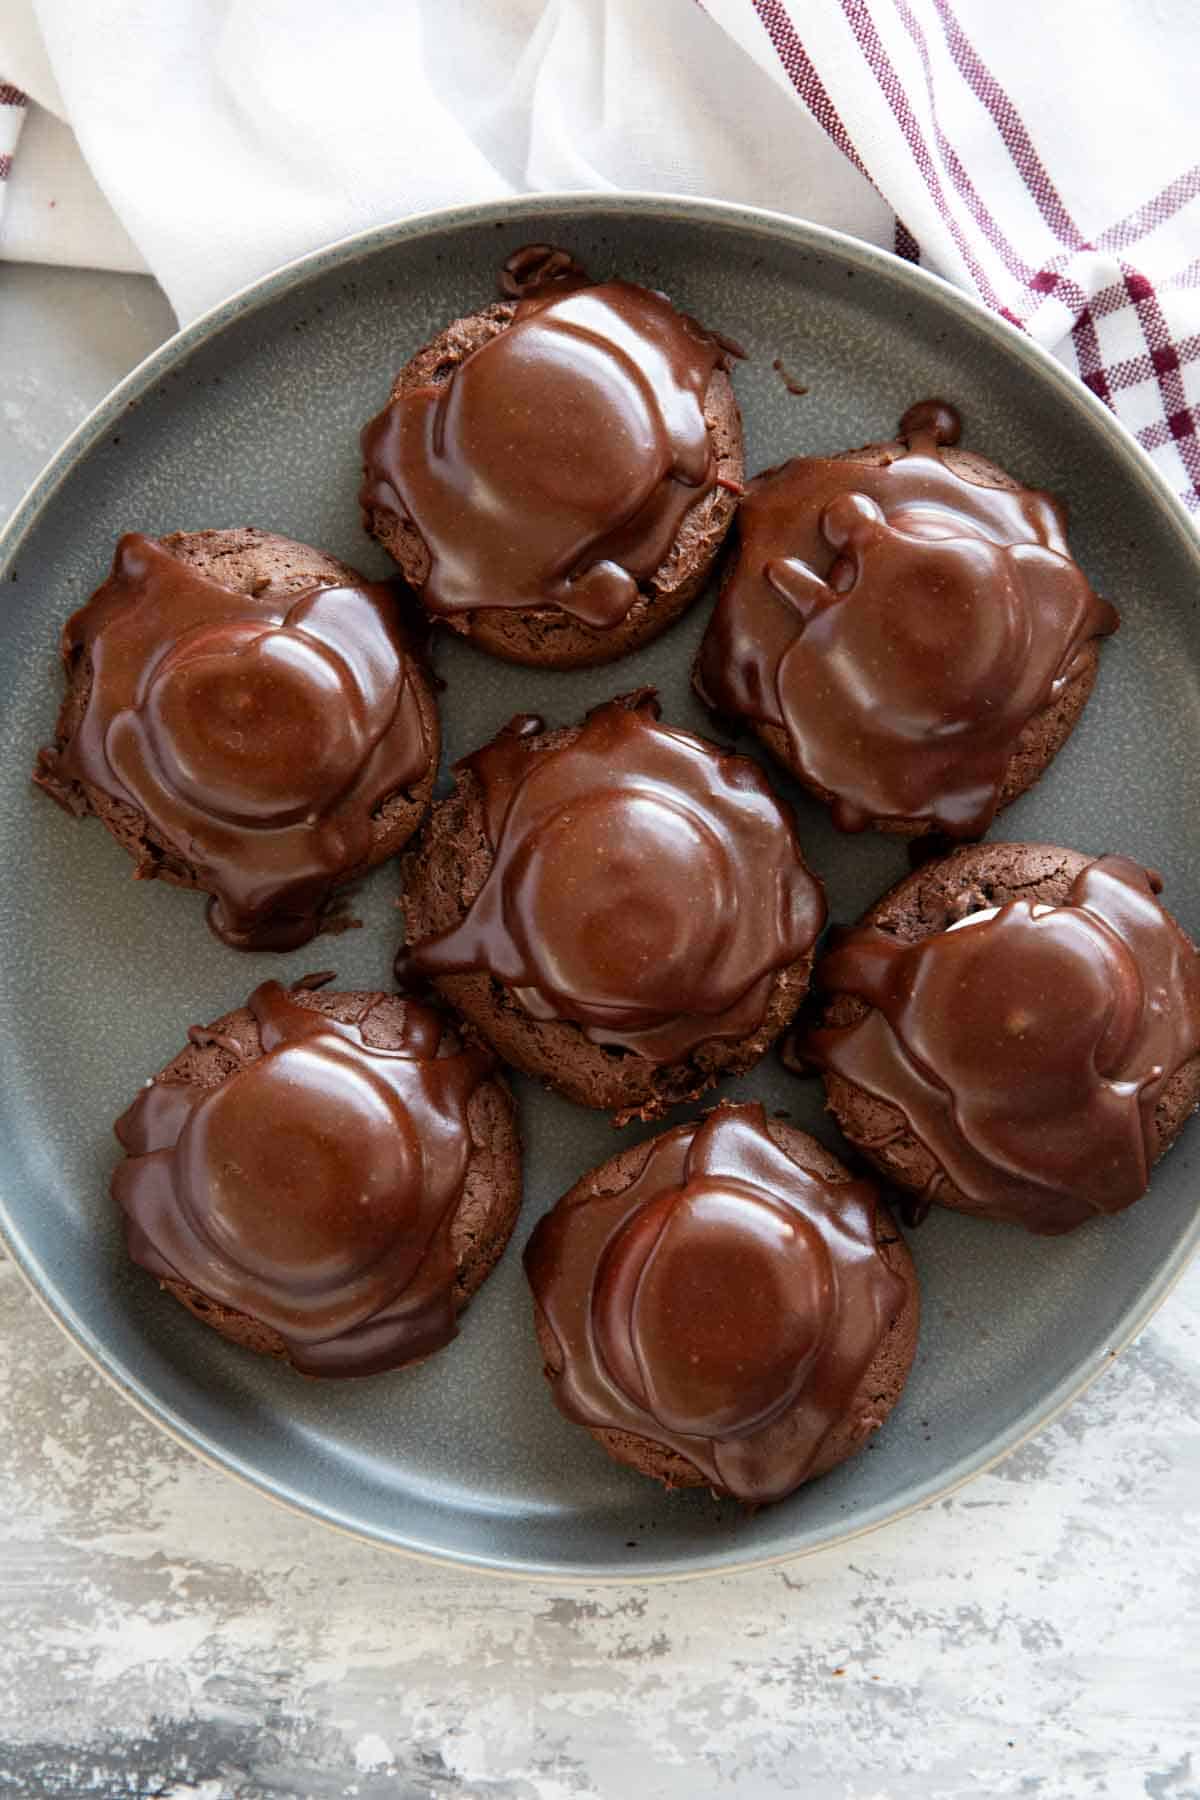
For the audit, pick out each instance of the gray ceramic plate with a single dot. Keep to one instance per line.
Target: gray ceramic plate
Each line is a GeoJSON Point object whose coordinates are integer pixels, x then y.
{"type": "Point", "coordinates": [251, 416]}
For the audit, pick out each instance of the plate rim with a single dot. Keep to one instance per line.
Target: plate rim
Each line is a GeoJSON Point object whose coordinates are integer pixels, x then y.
{"type": "Point", "coordinates": [361, 245]}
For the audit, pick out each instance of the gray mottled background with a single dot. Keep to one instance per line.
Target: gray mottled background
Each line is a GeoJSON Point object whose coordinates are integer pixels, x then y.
{"type": "Point", "coordinates": [168, 1633]}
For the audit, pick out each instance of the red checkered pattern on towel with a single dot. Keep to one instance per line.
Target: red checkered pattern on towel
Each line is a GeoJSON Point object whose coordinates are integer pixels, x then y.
{"type": "Point", "coordinates": [1117, 303]}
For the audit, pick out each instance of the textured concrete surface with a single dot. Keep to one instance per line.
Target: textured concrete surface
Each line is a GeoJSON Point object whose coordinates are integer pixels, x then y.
{"type": "Point", "coordinates": [168, 1633]}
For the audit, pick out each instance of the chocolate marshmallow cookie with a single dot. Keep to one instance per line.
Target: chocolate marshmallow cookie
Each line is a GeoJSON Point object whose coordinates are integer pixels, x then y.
{"type": "Point", "coordinates": [906, 630]}
{"type": "Point", "coordinates": [725, 1306]}
{"type": "Point", "coordinates": [247, 717]}
{"type": "Point", "coordinates": [323, 1177]}
{"type": "Point", "coordinates": [1014, 1032]}
{"type": "Point", "coordinates": [555, 474]}
{"type": "Point", "coordinates": [619, 908]}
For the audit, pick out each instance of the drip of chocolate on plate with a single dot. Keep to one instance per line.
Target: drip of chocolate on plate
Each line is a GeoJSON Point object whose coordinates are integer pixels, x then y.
{"type": "Point", "coordinates": [645, 885]}
{"type": "Point", "coordinates": [256, 734]}
{"type": "Point", "coordinates": [1026, 1047]}
{"type": "Point", "coordinates": [315, 1188]}
{"type": "Point", "coordinates": [794, 387]}
{"type": "Point", "coordinates": [725, 1304]}
{"type": "Point", "coordinates": [902, 624]}
{"type": "Point", "coordinates": [555, 466]}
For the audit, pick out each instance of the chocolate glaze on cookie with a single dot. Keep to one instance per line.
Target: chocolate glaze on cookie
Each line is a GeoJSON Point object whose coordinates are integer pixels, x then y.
{"type": "Point", "coordinates": [644, 885]}
{"type": "Point", "coordinates": [555, 466]}
{"type": "Point", "coordinates": [256, 733]}
{"type": "Point", "coordinates": [725, 1304]}
{"type": "Point", "coordinates": [1027, 1046]}
{"type": "Point", "coordinates": [314, 1190]}
{"type": "Point", "coordinates": [902, 623]}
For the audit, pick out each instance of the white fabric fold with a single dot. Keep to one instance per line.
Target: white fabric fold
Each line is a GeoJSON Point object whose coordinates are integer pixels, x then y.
{"type": "Point", "coordinates": [231, 135]}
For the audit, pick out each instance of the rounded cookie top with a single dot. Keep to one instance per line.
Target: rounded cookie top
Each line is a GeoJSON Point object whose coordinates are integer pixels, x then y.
{"type": "Point", "coordinates": [1030, 1021]}
{"type": "Point", "coordinates": [252, 733]}
{"type": "Point", "coordinates": [721, 1299]}
{"type": "Point", "coordinates": [544, 455]}
{"type": "Point", "coordinates": [304, 1165]}
{"type": "Point", "coordinates": [643, 885]}
{"type": "Point", "coordinates": [898, 622]}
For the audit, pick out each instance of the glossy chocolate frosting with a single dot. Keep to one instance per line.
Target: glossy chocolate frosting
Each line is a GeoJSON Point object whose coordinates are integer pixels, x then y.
{"type": "Point", "coordinates": [255, 734]}
{"type": "Point", "coordinates": [555, 465]}
{"type": "Point", "coordinates": [1026, 1048]}
{"type": "Point", "coordinates": [902, 624]}
{"type": "Point", "coordinates": [645, 885]}
{"type": "Point", "coordinates": [726, 1304]}
{"type": "Point", "coordinates": [315, 1188]}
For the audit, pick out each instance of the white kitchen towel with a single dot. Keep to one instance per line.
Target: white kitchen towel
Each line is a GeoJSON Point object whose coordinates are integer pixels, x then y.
{"type": "Point", "coordinates": [1040, 153]}
{"type": "Point", "coordinates": [51, 209]}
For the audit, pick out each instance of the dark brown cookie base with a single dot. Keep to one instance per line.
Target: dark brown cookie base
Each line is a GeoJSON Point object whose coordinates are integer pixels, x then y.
{"type": "Point", "coordinates": [545, 637]}
{"type": "Point", "coordinates": [249, 561]}
{"type": "Point", "coordinates": [928, 901]}
{"type": "Point", "coordinates": [1043, 735]}
{"type": "Point", "coordinates": [876, 1394]}
{"type": "Point", "coordinates": [491, 1196]}
{"type": "Point", "coordinates": [444, 872]}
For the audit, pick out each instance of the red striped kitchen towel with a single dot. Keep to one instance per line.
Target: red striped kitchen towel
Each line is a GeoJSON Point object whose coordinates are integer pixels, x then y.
{"type": "Point", "coordinates": [1043, 156]}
